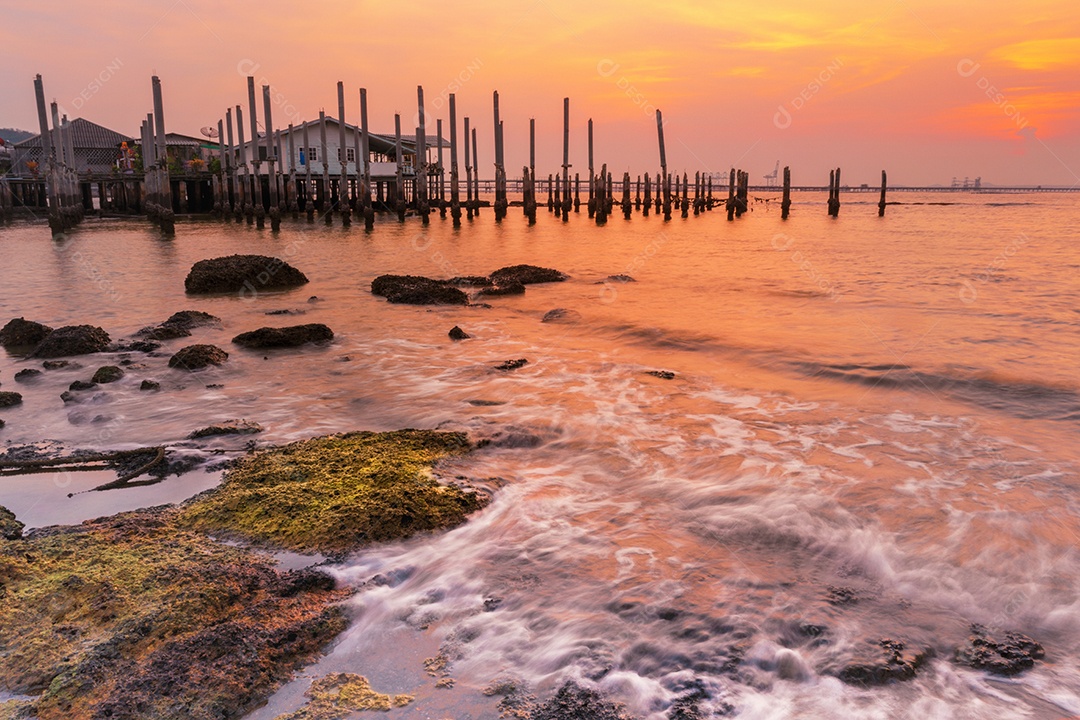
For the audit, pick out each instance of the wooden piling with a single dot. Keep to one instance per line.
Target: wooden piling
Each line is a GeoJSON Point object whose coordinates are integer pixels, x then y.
{"type": "Point", "coordinates": [627, 205]}
{"type": "Point", "coordinates": [167, 218]}
{"type": "Point", "coordinates": [468, 174]}
{"type": "Point", "coordinates": [663, 165]}
{"type": "Point", "coordinates": [476, 174]}
{"type": "Point", "coordinates": [325, 198]}
{"type": "Point", "coordinates": [730, 205]}
{"type": "Point", "coordinates": [309, 204]}
{"type": "Point", "coordinates": [881, 202]}
{"type": "Point", "coordinates": [442, 172]}
{"type": "Point", "coordinates": [577, 192]}
{"type": "Point", "coordinates": [647, 203]}
{"type": "Point", "coordinates": [271, 152]}
{"type": "Point", "coordinates": [342, 200]}
{"type": "Point", "coordinates": [600, 194]}
{"type": "Point", "coordinates": [365, 153]}
{"type": "Point", "coordinates": [399, 194]}
{"type": "Point", "coordinates": [834, 192]}
{"type": "Point", "coordinates": [500, 170]}
{"type": "Point", "coordinates": [421, 169]}
{"type": "Point", "coordinates": [256, 162]}
{"type": "Point", "coordinates": [291, 191]}
{"type": "Point", "coordinates": [455, 191]}
{"type": "Point", "coordinates": [48, 160]}
{"type": "Point", "coordinates": [785, 203]}
{"type": "Point", "coordinates": [592, 175]}
{"type": "Point", "coordinates": [566, 159]}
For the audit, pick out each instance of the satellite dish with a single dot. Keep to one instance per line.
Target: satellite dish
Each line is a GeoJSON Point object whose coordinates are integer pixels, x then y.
{"type": "Point", "coordinates": [209, 132]}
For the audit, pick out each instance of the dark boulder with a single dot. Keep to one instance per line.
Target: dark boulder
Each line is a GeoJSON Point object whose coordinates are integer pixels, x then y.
{"type": "Point", "coordinates": [574, 702]}
{"type": "Point", "coordinates": [511, 288]}
{"type": "Point", "coordinates": [561, 315]}
{"type": "Point", "coordinates": [457, 333]}
{"type": "Point", "coordinates": [107, 374]}
{"type": "Point", "coordinates": [229, 427]}
{"type": "Point", "coordinates": [526, 275]}
{"type": "Point", "coordinates": [23, 333]}
{"type": "Point", "coordinates": [293, 336]}
{"type": "Point", "coordinates": [1012, 654]}
{"type": "Point", "coordinates": [143, 346]}
{"type": "Point", "coordinates": [57, 364]}
{"type": "Point", "coordinates": [197, 357]}
{"type": "Point", "coordinates": [616, 279]}
{"type": "Point", "coordinates": [152, 385]}
{"type": "Point", "coordinates": [469, 281]}
{"type": "Point", "coordinates": [889, 663]}
{"type": "Point", "coordinates": [248, 273]}
{"type": "Point", "coordinates": [662, 374]}
{"type": "Point", "coordinates": [179, 325]}
{"type": "Point", "coordinates": [27, 374]}
{"type": "Point", "coordinates": [73, 340]}
{"type": "Point", "coordinates": [9, 399]}
{"type": "Point", "coordinates": [82, 385]}
{"type": "Point", "coordinates": [416, 290]}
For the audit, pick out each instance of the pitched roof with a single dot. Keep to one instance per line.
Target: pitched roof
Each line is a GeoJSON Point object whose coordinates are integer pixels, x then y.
{"type": "Point", "coordinates": [85, 134]}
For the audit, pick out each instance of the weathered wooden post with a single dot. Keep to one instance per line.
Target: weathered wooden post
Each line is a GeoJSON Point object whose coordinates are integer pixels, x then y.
{"type": "Point", "coordinates": [742, 203]}
{"type": "Point", "coordinates": [326, 198]}
{"type": "Point", "coordinates": [236, 206]}
{"type": "Point", "coordinates": [601, 200]}
{"type": "Point", "coordinates": [558, 195]}
{"type": "Point", "coordinates": [663, 165]}
{"type": "Point", "coordinates": [834, 192]}
{"type": "Point", "coordinates": [309, 201]}
{"type": "Point", "coordinates": [647, 204]}
{"type": "Point", "coordinates": [399, 189]}
{"type": "Point", "coordinates": [627, 205]}
{"type": "Point", "coordinates": [421, 169]}
{"type": "Point", "coordinates": [455, 190]}
{"type": "Point", "coordinates": [500, 172]}
{"type": "Point", "coordinates": [442, 170]}
{"type": "Point", "coordinates": [220, 196]}
{"type": "Point", "coordinates": [565, 204]}
{"type": "Point", "coordinates": [365, 151]}
{"type": "Point", "coordinates": [577, 192]}
{"type": "Point", "coordinates": [709, 199]}
{"type": "Point", "coordinates": [275, 210]}
{"type": "Point", "coordinates": [256, 161]}
{"type": "Point", "coordinates": [685, 195]}
{"type": "Point", "coordinates": [290, 192]}
{"type": "Point", "coordinates": [592, 175]}
{"type": "Point", "coordinates": [881, 203]}
{"type": "Point", "coordinates": [785, 203]}
{"type": "Point", "coordinates": [637, 194]}
{"type": "Point", "coordinates": [168, 219]}
{"type": "Point", "coordinates": [730, 206]}
{"type": "Point", "coordinates": [551, 194]}
{"type": "Point", "coordinates": [468, 174]}
{"type": "Point", "coordinates": [529, 198]}
{"type": "Point", "coordinates": [476, 175]}
{"type": "Point", "coordinates": [342, 199]}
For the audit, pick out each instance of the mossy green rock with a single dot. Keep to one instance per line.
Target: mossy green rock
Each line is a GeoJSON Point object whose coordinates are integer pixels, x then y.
{"type": "Point", "coordinates": [338, 695]}
{"type": "Point", "coordinates": [134, 616]}
{"type": "Point", "coordinates": [337, 493]}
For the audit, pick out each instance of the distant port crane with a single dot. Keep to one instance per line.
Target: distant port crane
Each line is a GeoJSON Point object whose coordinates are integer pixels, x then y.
{"type": "Point", "coordinates": [770, 179]}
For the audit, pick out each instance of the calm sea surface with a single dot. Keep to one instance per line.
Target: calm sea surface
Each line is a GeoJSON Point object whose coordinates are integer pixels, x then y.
{"type": "Point", "coordinates": [886, 406]}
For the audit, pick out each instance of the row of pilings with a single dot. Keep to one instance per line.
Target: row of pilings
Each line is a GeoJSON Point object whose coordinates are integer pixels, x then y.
{"type": "Point", "coordinates": [244, 189]}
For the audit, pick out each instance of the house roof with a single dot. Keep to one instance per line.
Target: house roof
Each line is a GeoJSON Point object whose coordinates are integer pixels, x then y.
{"type": "Point", "coordinates": [381, 143]}
{"type": "Point", "coordinates": [85, 134]}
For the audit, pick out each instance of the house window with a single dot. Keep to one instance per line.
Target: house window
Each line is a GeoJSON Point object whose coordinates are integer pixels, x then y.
{"type": "Point", "coordinates": [313, 154]}
{"type": "Point", "coordinates": [350, 155]}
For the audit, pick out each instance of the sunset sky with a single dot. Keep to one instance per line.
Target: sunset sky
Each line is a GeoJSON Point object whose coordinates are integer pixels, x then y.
{"type": "Point", "coordinates": [926, 90]}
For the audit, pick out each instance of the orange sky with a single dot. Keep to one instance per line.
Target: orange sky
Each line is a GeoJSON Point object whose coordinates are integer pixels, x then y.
{"type": "Point", "coordinates": [926, 89]}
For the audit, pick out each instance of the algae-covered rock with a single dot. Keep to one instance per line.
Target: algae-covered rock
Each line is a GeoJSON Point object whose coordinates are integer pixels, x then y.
{"type": "Point", "coordinates": [1009, 654]}
{"type": "Point", "coordinates": [417, 290]}
{"type": "Point", "coordinates": [336, 493]}
{"type": "Point", "coordinates": [197, 357]}
{"type": "Point", "coordinates": [9, 399]}
{"type": "Point", "coordinates": [338, 695]}
{"type": "Point", "coordinates": [23, 333]}
{"type": "Point", "coordinates": [133, 616]}
{"type": "Point", "coordinates": [888, 662]}
{"type": "Point", "coordinates": [526, 275]}
{"type": "Point", "coordinates": [246, 273]}
{"type": "Point", "coordinates": [107, 374]}
{"type": "Point", "coordinates": [72, 340]}
{"type": "Point", "coordinates": [229, 427]}
{"type": "Point", "coordinates": [284, 337]}
{"type": "Point", "coordinates": [10, 528]}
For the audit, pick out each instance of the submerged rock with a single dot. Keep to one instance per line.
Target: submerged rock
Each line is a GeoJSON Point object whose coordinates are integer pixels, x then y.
{"type": "Point", "coordinates": [247, 273]}
{"type": "Point", "coordinates": [1012, 654]}
{"type": "Point", "coordinates": [512, 364]}
{"type": "Point", "coordinates": [27, 374]}
{"type": "Point", "coordinates": [197, 357]}
{"type": "Point", "coordinates": [526, 275]}
{"type": "Point", "coordinates": [143, 346]}
{"type": "Point", "coordinates": [662, 374]}
{"type": "Point", "coordinates": [58, 364]}
{"type": "Point", "coordinates": [571, 702]}
{"type": "Point", "coordinates": [293, 336]}
{"type": "Point", "coordinates": [457, 333]}
{"type": "Point", "coordinates": [150, 385]}
{"type": "Point", "coordinates": [179, 324]}
{"type": "Point", "coordinates": [134, 616]}
{"type": "Point", "coordinates": [338, 695]}
{"type": "Point", "coordinates": [9, 399]}
{"type": "Point", "coordinates": [561, 315]}
{"type": "Point", "coordinates": [889, 664]}
{"type": "Point", "coordinates": [511, 288]}
{"type": "Point", "coordinates": [616, 279]}
{"type": "Point", "coordinates": [336, 493]}
{"type": "Point", "coordinates": [23, 333]}
{"type": "Point", "coordinates": [82, 385]}
{"type": "Point", "coordinates": [73, 340]}
{"type": "Point", "coordinates": [229, 427]}
{"type": "Point", "coordinates": [107, 374]}
{"type": "Point", "coordinates": [417, 290]}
